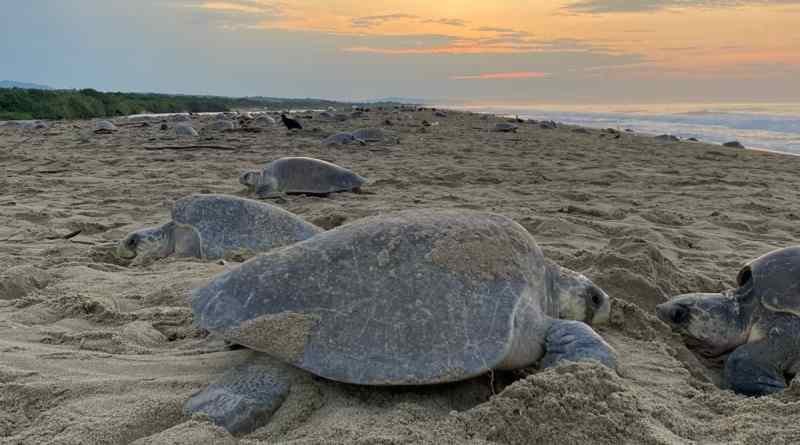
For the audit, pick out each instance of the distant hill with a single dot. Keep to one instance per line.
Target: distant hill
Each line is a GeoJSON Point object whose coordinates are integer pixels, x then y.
{"type": "Point", "coordinates": [401, 100]}
{"type": "Point", "coordinates": [24, 85]}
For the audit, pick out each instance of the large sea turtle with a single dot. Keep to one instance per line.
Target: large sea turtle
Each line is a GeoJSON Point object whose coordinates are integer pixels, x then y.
{"type": "Point", "coordinates": [211, 226]}
{"type": "Point", "coordinates": [409, 298]}
{"type": "Point", "coordinates": [300, 175]}
{"type": "Point", "coordinates": [758, 323]}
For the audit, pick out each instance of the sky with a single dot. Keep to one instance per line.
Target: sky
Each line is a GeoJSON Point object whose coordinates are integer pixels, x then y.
{"type": "Point", "coordinates": [500, 51]}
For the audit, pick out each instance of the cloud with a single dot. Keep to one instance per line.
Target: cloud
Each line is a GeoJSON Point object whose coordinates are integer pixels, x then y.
{"type": "Point", "coordinates": [617, 6]}
{"type": "Point", "coordinates": [234, 14]}
{"type": "Point", "coordinates": [376, 20]}
{"type": "Point", "coordinates": [240, 7]}
{"type": "Point", "coordinates": [503, 76]}
{"type": "Point", "coordinates": [448, 22]}
{"type": "Point", "coordinates": [510, 43]}
{"type": "Point", "coordinates": [493, 29]}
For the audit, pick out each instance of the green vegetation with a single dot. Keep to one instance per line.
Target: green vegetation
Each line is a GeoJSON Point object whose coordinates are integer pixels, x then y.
{"type": "Point", "coordinates": [18, 103]}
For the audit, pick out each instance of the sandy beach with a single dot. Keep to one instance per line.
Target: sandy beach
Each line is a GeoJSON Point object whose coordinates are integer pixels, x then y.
{"type": "Point", "coordinates": [97, 351]}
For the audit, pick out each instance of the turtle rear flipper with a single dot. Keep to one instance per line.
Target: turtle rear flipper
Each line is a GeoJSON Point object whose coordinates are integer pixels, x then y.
{"type": "Point", "coordinates": [243, 399]}
{"type": "Point", "coordinates": [575, 341]}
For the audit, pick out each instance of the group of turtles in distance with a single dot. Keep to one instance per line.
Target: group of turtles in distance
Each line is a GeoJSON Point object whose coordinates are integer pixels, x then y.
{"type": "Point", "coordinates": [255, 121]}
{"type": "Point", "coordinates": [426, 296]}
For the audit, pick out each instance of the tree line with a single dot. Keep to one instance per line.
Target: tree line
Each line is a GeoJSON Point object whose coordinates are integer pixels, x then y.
{"type": "Point", "coordinates": [16, 103]}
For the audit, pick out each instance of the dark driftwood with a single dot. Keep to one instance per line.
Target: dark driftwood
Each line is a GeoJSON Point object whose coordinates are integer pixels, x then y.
{"type": "Point", "coordinates": [189, 147]}
{"type": "Point", "coordinates": [70, 235]}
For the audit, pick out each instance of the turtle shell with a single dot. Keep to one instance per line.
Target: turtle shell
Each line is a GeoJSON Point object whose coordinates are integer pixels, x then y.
{"type": "Point", "coordinates": [105, 126]}
{"type": "Point", "coordinates": [369, 134]}
{"type": "Point", "coordinates": [414, 297]}
{"type": "Point", "coordinates": [229, 223]}
{"type": "Point", "coordinates": [775, 279]}
{"type": "Point", "coordinates": [309, 175]}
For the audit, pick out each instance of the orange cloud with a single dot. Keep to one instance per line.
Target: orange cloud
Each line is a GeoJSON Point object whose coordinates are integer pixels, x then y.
{"type": "Point", "coordinates": [451, 49]}
{"type": "Point", "coordinates": [509, 75]}
{"type": "Point", "coordinates": [228, 6]}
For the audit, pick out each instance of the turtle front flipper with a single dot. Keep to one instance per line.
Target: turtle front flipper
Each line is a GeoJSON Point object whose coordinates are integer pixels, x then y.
{"type": "Point", "coordinates": [575, 341]}
{"type": "Point", "coordinates": [187, 241]}
{"type": "Point", "coordinates": [243, 399]}
{"type": "Point", "coordinates": [752, 370]}
{"type": "Point", "coordinates": [268, 192]}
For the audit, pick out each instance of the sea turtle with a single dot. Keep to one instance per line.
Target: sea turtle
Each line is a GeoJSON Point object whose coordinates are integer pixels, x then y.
{"type": "Point", "coordinates": [342, 138]}
{"type": "Point", "coordinates": [758, 323]}
{"type": "Point", "coordinates": [369, 134]}
{"type": "Point", "coordinates": [211, 226]}
{"type": "Point", "coordinates": [222, 125]}
{"type": "Point", "coordinates": [33, 125]}
{"type": "Point", "coordinates": [265, 120]}
{"type": "Point", "coordinates": [505, 127]}
{"type": "Point", "coordinates": [185, 130]}
{"type": "Point", "coordinates": [300, 175]}
{"type": "Point", "coordinates": [104, 127]}
{"type": "Point", "coordinates": [415, 297]}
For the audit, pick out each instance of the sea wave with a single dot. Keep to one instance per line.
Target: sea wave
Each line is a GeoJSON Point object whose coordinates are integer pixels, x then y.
{"type": "Point", "coordinates": [774, 127]}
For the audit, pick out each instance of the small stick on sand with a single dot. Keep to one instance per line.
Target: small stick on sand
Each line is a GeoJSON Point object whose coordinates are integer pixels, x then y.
{"type": "Point", "coordinates": [72, 234]}
{"type": "Point", "coordinates": [189, 147]}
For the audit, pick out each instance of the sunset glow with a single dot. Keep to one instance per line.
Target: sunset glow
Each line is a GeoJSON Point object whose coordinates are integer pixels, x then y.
{"type": "Point", "coordinates": [411, 48]}
{"type": "Point", "coordinates": [681, 37]}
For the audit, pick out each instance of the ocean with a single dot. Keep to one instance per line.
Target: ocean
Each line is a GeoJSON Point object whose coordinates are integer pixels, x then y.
{"type": "Point", "coordinates": [759, 126]}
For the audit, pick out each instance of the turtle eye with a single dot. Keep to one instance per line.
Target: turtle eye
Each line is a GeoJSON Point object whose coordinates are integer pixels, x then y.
{"type": "Point", "coordinates": [596, 297]}
{"type": "Point", "coordinates": [132, 242]}
{"type": "Point", "coordinates": [679, 315]}
{"type": "Point", "coordinates": [745, 276]}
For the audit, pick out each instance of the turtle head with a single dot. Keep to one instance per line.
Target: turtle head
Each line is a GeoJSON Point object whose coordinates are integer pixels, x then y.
{"type": "Point", "coordinates": [148, 244]}
{"type": "Point", "coordinates": [250, 178]}
{"type": "Point", "coordinates": [578, 298]}
{"type": "Point", "coordinates": [711, 324]}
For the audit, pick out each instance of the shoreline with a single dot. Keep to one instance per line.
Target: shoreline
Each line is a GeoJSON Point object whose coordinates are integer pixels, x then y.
{"type": "Point", "coordinates": [776, 129]}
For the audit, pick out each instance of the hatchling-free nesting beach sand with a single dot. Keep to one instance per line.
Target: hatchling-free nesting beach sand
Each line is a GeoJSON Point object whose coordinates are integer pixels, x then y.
{"type": "Point", "coordinates": [95, 351]}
